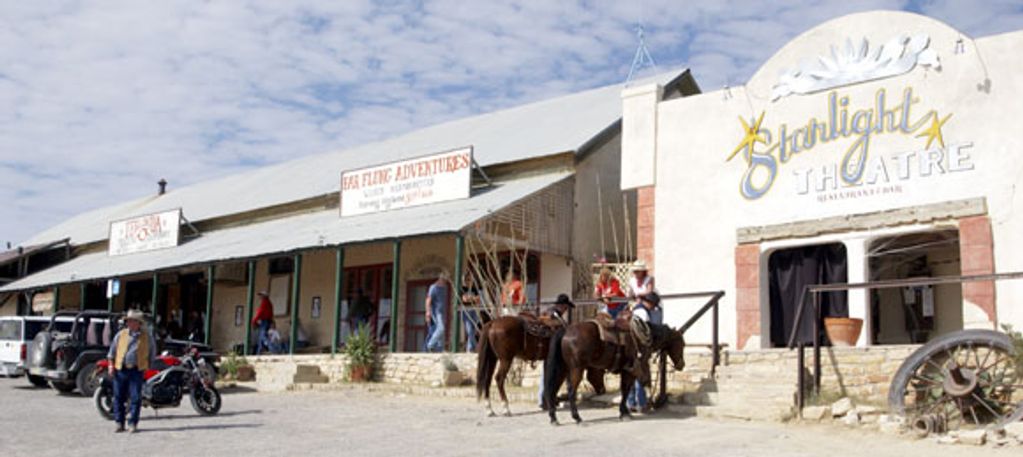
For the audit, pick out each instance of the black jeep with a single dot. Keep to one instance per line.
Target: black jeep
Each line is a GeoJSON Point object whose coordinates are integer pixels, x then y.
{"type": "Point", "coordinates": [68, 359]}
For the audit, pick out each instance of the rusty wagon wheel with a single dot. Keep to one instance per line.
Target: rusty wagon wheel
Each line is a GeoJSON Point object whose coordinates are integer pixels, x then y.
{"type": "Point", "coordinates": [967, 379]}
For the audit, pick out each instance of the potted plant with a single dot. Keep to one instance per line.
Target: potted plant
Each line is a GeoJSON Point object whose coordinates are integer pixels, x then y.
{"type": "Point", "coordinates": [237, 368]}
{"type": "Point", "coordinates": [361, 352]}
{"type": "Point", "coordinates": [843, 331]}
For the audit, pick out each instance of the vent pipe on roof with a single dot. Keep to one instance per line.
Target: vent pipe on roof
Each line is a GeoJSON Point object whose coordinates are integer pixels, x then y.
{"type": "Point", "coordinates": [163, 186]}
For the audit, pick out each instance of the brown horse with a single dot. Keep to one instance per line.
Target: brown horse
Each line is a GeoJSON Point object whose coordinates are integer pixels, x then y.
{"type": "Point", "coordinates": [505, 338]}
{"type": "Point", "coordinates": [579, 347]}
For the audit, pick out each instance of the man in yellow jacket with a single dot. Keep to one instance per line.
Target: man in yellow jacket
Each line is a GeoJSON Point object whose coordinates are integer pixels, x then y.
{"type": "Point", "coordinates": [131, 352]}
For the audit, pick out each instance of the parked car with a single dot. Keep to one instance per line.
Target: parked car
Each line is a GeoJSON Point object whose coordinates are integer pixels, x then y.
{"type": "Point", "coordinates": [67, 359]}
{"type": "Point", "coordinates": [16, 334]}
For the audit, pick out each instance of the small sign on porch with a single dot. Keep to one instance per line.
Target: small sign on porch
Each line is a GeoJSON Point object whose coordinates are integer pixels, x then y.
{"type": "Point", "coordinates": [145, 233]}
{"type": "Point", "coordinates": [421, 181]}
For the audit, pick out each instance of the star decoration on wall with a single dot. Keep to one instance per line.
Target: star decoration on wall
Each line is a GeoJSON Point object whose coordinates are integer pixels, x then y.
{"type": "Point", "coordinates": [934, 131]}
{"type": "Point", "coordinates": [752, 136]}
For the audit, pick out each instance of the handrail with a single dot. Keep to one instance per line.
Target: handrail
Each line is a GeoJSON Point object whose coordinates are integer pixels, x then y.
{"type": "Point", "coordinates": [816, 289]}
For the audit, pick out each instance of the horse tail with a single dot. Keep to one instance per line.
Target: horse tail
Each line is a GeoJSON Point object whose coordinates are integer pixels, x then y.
{"type": "Point", "coordinates": [486, 362]}
{"type": "Point", "coordinates": [553, 369]}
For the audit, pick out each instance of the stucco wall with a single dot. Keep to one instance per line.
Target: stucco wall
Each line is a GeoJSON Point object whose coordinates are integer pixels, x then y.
{"type": "Point", "coordinates": [699, 203]}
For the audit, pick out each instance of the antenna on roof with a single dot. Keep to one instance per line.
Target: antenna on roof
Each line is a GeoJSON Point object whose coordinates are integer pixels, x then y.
{"type": "Point", "coordinates": [642, 55]}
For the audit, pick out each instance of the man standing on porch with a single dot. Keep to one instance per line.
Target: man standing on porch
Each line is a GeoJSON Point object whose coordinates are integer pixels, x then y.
{"type": "Point", "coordinates": [436, 299]}
{"type": "Point", "coordinates": [262, 320]}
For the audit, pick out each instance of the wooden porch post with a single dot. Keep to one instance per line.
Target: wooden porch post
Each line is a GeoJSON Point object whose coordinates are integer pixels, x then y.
{"type": "Point", "coordinates": [339, 278]}
{"type": "Point", "coordinates": [296, 282]}
{"type": "Point", "coordinates": [250, 296]}
{"type": "Point", "coordinates": [456, 294]}
{"type": "Point", "coordinates": [395, 282]}
{"type": "Point", "coordinates": [208, 324]}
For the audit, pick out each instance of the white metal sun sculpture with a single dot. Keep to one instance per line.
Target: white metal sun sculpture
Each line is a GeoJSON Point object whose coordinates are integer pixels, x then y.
{"type": "Point", "coordinates": [857, 64]}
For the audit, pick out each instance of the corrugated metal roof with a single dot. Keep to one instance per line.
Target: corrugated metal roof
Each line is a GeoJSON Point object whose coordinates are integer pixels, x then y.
{"type": "Point", "coordinates": [563, 124]}
{"type": "Point", "coordinates": [323, 228]}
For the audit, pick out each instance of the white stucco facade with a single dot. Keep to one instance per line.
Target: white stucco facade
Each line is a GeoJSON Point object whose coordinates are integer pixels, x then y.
{"type": "Point", "coordinates": [862, 139]}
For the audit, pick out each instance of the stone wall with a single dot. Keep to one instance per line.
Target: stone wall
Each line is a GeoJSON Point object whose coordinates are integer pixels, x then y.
{"type": "Point", "coordinates": [860, 373]}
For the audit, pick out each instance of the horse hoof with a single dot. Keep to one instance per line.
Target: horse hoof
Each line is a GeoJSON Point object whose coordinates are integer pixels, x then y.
{"type": "Point", "coordinates": [554, 423]}
{"type": "Point", "coordinates": [625, 417]}
{"type": "Point", "coordinates": [491, 414]}
{"type": "Point", "coordinates": [507, 414]}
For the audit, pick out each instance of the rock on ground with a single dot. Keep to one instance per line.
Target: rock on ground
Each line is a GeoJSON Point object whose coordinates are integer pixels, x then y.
{"type": "Point", "coordinates": [842, 407]}
{"type": "Point", "coordinates": [973, 437]}
{"type": "Point", "coordinates": [816, 413]}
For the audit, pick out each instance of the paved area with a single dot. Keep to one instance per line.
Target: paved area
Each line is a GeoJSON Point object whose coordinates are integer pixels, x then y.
{"type": "Point", "coordinates": [36, 422]}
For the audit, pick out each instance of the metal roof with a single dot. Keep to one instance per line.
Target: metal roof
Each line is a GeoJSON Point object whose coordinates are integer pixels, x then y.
{"type": "Point", "coordinates": [322, 228]}
{"type": "Point", "coordinates": [563, 124]}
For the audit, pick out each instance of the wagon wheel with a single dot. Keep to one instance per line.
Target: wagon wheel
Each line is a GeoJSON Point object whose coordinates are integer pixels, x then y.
{"type": "Point", "coordinates": [967, 379]}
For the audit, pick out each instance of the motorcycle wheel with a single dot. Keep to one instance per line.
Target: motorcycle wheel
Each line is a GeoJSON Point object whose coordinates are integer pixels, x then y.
{"type": "Point", "coordinates": [205, 400]}
{"type": "Point", "coordinates": [104, 401]}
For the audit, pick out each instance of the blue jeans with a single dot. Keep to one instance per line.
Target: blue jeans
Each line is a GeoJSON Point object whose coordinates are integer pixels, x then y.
{"type": "Point", "coordinates": [435, 333]}
{"type": "Point", "coordinates": [127, 382]}
{"type": "Point", "coordinates": [263, 342]}
{"type": "Point", "coordinates": [470, 319]}
{"type": "Point", "coordinates": [637, 396]}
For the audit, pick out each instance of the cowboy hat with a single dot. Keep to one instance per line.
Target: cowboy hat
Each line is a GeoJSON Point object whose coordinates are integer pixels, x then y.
{"type": "Point", "coordinates": [639, 265]}
{"type": "Point", "coordinates": [564, 300]}
{"type": "Point", "coordinates": [134, 314]}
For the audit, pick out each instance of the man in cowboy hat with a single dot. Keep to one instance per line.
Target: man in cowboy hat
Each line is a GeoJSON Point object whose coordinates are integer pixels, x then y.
{"type": "Point", "coordinates": [559, 312]}
{"type": "Point", "coordinates": [131, 352]}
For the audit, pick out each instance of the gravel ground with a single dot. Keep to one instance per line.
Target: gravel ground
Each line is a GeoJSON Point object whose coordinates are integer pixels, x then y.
{"type": "Point", "coordinates": [38, 422]}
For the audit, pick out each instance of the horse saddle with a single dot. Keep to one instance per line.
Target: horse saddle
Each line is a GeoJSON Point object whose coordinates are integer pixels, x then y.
{"type": "Point", "coordinates": [614, 331]}
{"type": "Point", "coordinates": [540, 327]}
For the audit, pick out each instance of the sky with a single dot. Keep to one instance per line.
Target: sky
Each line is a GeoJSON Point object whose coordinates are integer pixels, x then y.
{"type": "Point", "coordinates": [100, 99]}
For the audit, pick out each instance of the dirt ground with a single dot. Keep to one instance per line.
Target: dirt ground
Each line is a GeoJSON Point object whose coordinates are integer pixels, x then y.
{"type": "Point", "coordinates": [37, 422]}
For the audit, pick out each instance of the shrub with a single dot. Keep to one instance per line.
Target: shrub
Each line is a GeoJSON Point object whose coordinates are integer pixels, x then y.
{"type": "Point", "coordinates": [360, 348]}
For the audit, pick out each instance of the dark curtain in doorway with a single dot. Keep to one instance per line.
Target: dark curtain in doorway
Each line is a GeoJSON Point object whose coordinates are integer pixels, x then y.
{"type": "Point", "coordinates": [790, 271]}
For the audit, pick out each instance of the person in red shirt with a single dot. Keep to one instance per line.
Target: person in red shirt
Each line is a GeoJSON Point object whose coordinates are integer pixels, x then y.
{"type": "Point", "coordinates": [511, 292]}
{"type": "Point", "coordinates": [263, 318]}
{"type": "Point", "coordinates": [607, 289]}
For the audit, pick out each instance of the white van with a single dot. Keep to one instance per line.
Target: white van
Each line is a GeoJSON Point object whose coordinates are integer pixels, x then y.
{"type": "Point", "coordinates": [16, 333]}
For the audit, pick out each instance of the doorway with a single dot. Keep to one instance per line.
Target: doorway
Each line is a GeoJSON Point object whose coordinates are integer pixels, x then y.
{"type": "Point", "coordinates": [415, 316]}
{"type": "Point", "coordinates": [790, 270]}
{"type": "Point", "coordinates": [371, 283]}
{"type": "Point", "coordinates": [913, 315]}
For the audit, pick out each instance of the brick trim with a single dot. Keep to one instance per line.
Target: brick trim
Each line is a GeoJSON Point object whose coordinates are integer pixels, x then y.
{"type": "Point", "coordinates": [645, 218]}
{"type": "Point", "coordinates": [747, 292]}
{"type": "Point", "coordinates": [976, 254]}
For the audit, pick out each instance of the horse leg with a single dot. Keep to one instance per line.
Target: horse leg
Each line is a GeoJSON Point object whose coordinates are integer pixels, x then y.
{"type": "Point", "coordinates": [502, 374]}
{"type": "Point", "coordinates": [574, 378]}
{"type": "Point", "coordinates": [595, 376]}
{"type": "Point", "coordinates": [626, 388]}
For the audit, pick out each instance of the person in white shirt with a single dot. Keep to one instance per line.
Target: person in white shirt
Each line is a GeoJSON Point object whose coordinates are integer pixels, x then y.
{"type": "Point", "coordinates": [642, 284]}
{"type": "Point", "coordinates": [647, 309]}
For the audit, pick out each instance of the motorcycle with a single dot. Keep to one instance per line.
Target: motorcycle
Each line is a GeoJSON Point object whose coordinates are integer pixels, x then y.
{"type": "Point", "coordinates": [166, 382]}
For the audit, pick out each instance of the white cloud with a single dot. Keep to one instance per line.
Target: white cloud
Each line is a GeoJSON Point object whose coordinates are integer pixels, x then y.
{"type": "Point", "coordinates": [103, 98]}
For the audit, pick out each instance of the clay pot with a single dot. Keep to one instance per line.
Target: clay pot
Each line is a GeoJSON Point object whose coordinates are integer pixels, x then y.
{"type": "Point", "coordinates": [246, 373]}
{"type": "Point", "coordinates": [359, 373]}
{"type": "Point", "coordinates": [843, 331]}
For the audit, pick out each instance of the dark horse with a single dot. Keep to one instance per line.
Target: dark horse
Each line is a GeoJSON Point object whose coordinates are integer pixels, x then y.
{"type": "Point", "coordinates": [507, 337]}
{"type": "Point", "coordinates": [579, 347]}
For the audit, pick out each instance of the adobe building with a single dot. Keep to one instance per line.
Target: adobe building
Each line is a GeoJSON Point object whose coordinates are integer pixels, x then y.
{"type": "Point", "coordinates": [875, 146]}
{"type": "Point", "coordinates": [385, 218]}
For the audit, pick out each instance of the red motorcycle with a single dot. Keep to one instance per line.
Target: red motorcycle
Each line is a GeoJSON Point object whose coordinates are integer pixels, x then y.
{"type": "Point", "coordinates": [166, 382]}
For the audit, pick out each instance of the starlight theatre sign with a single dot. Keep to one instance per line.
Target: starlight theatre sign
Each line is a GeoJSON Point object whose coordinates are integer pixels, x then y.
{"type": "Point", "coordinates": [414, 182]}
{"type": "Point", "coordinates": [145, 233]}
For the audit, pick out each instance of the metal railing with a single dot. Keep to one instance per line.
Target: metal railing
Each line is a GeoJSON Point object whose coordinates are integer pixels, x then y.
{"type": "Point", "coordinates": [815, 290]}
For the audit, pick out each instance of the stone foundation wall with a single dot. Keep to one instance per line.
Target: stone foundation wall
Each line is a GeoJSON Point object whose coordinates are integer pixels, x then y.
{"type": "Point", "coordinates": [860, 373]}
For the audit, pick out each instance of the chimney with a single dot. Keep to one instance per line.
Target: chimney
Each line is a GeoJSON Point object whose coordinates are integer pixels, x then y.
{"type": "Point", "coordinates": [163, 186]}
